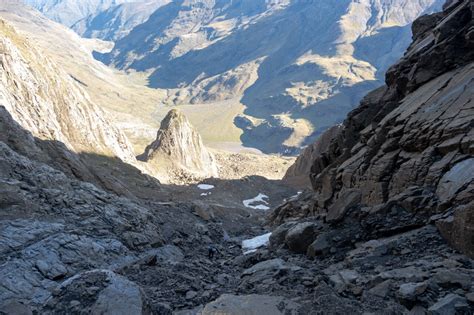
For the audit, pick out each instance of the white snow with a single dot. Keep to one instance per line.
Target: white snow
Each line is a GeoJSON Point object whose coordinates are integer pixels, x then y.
{"type": "Point", "coordinates": [251, 245]}
{"type": "Point", "coordinates": [251, 203]}
{"type": "Point", "coordinates": [206, 194]}
{"type": "Point", "coordinates": [205, 187]}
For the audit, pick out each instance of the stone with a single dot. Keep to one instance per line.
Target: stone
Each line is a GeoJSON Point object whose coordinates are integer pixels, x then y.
{"type": "Point", "coordinates": [203, 210]}
{"type": "Point", "coordinates": [470, 297]}
{"type": "Point", "coordinates": [343, 203]}
{"type": "Point", "coordinates": [111, 294]}
{"type": "Point", "coordinates": [410, 273]}
{"type": "Point", "coordinates": [301, 236]}
{"type": "Point", "coordinates": [277, 238]}
{"type": "Point", "coordinates": [409, 291]}
{"type": "Point", "coordinates": [251, 305]}
{"type": "Point", "coordinates": [450, 278]}
{"type": "Point", "coordinates": [458, 176]}
{"type": "Point", "coordinates": [349, 276]}
{"type": "Point", "coordinates": [457, 229]}
{"type": "Point", "coordinates": [382, 289]}
{"type": "Point", "coordinates": [268, 265]}
{"type": "Point", "coordinates": [343, 278]}
{"type": "Point", "coordinates": [297, 174]}
{"type": "Point", "coordinates": [167, 254]}
{"type": "Point", "coordinates": [448, 305]}
{"type": "Point", "coordinates": [191, 295]}
{"type": "Point", "coordinates": [15, 307]}
{"type": "Point", "coordinates": [52, 270]}
{"type": "Point", "coordinates": [417, 310]}
{"type": "Point", "coordinates": [319, 247]}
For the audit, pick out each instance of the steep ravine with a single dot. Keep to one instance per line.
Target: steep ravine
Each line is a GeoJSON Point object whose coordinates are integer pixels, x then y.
{"type": "Point", "coordinates": [386, 227]}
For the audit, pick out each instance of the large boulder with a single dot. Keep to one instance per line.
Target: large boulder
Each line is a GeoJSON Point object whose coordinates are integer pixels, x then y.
{"type": "Point", "coordinates": [251, 305]}
{"type": "Point", "coordinates": [320, 246]}
{"type": "Point", "coordinates": [277, 238]}
{"type": "Point", "coordinates": [301, 236]}
{"type": "Point", "coordinates": [338, 209]}
{"type": "Point", "coordinates": [458, 229]}
{"type": "Point", "coordinates": [451, 304]}
{"type": "Point", "coordinates": [97, 292]}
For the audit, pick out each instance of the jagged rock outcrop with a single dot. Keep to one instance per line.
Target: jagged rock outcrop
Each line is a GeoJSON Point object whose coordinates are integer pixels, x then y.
{"type": "Point", "coordinates": [179, 147]}
{"type": "Point", "coordinates": [53, 227]}
{"type": "Point", "coordinates": [403, 150]}
{"type": "Point", "coordinates": [47, 115]}
{"type": "Point", "coordinates": [401, 164]}
{"type": "Point", "coordinates": [297, 174]}
{"type": "Point", "coordinates": [59, 109]}
{"type": "Point", "coordinates": [108, 293]}
{"type": "Point", "coordinates": [392, 193]}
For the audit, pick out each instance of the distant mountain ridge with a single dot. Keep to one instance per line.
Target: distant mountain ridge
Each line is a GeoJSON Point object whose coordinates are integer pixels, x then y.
{"type": "Point", "coordinates": [297, 66]}
{"type": "Point", "coordinates": [69, 12]}
{"type": "Point", "coordinates": [118, 20]}
{"type": "Point", "coordinates": [290, 68]}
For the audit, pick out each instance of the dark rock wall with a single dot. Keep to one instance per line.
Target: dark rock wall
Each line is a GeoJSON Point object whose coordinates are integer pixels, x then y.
{"type": "Point", "coordinates": [407, 149]}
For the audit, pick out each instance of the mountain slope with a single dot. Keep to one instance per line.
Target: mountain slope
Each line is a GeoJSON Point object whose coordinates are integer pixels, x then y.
{"type": "Point", "coordinates": [404, 158]}
{"type": "Point", "coordinates": [134, 108]}
{"type": "Point", "coordinates": [297, 66]}
{"type": "Point", "coordinates": [179, 146]}
{"type": "Point", "coordinates": [117, 21]}
{"type": "Point", "coordinates": [118, 94]}
{"type": "Point", "coordinates": [58, 108]}
{"type": "Point", "coordinates": [69, 12]}
{"type": "Point", "coordinates": [47, 115]}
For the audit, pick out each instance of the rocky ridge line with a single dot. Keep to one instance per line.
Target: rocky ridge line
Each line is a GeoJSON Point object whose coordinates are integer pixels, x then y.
{"type": "Point", "coordinates": [179, 148]}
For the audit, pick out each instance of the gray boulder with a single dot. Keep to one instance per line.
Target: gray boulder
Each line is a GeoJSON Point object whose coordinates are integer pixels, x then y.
{"type": "Point", "coordinates": [97, 292]}
{"type": "Point", "coordinates": [277, 238]}
{"type": "Point", "coordinates": [448, 305]}
{"type": "Point", "coordinates": [251, 305]}
{"type": "Point", "coordinates": [320, 246]}
{"type": "Point", "coordinates": [301, 236]}
{"type": "Point", "coordinates": [409, 291]}
{"type": "Point", "coordinates": [268, 265]}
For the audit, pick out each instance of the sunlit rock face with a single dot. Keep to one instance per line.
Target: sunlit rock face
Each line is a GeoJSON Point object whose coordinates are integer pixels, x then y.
{"type": "Point", "coordinates": [179, 146]}
{"type": "Point", "coordinates": [50, 103]}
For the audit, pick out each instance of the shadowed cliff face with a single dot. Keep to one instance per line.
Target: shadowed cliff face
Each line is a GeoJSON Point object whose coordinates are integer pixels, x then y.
{"type": "Point", "coordinates": [406, 153]}
{"type": "Point", "coordinates": [47, 102]}
{"type": "Point", "coordinates": [298, 67]}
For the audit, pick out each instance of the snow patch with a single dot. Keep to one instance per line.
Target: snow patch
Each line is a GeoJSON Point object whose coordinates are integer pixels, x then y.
{"type": "Point", "coordinates": [251, 203]}
{"type": "Point", "coordinates": [251, 245]}
{"type": "Point", "coordinates": [206, 194]}
{"type": "Point", "coordinates": [293, 197]}
{"type": "Point", "coordinates": [205, 187]}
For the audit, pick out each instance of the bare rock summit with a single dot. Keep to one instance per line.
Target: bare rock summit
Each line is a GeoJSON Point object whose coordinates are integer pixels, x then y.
{"type": "Point", "coordinates": [179, 148]}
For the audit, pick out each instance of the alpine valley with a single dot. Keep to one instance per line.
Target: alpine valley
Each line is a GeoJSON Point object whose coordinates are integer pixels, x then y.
{"type": "Point", "coordinates": [236, 157]}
